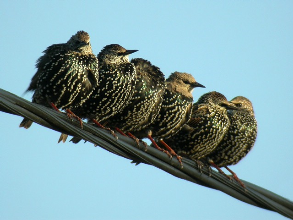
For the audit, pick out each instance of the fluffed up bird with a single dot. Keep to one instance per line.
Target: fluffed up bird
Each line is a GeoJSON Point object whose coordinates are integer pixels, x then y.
{"type": "Point", "coordinates": [175, 110]}
{"type": "Point", "coordinates": [116, 85]}
{"type": "Point", "coordinates": [206, 128]}
{"type": "Point", "coordinates": [66, 74]}
{"type": "Point", "coordinates": [145, 104]}
{"type": "Point", "coordinates": [176, 106]}
{"type": "Point", "coordinates": [240, 137]}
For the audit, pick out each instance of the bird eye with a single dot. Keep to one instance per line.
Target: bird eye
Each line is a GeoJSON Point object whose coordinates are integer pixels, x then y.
{"type": "Point", "coordinates": [238, 104]}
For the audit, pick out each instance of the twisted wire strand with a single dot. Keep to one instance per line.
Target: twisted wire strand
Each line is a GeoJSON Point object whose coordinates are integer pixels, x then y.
{"type": "Point", "coordinates": [127, 148]}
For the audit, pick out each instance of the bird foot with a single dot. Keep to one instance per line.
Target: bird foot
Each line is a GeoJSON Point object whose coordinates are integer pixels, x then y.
{"type": "Point", "coordinates": [71, 115]}
{"type": "Point", "coordinates": [199, 165]}
{"type": "Point", "coordinates": [134, 138]}
{"type": "Point", "coordinates": [172, 152]}
{"type": "Point", "coordinates": [210, 171]}
{"type": "Point", "coordinates": [236, 177]}
{"type": "Point", "coordinates": [112, 133]}
{"type": "Point", "coordinates": [219, 169]}
{"type": "Point", "coordinates": [108, 129]}
{"type": "Point", "coordinates": [137, 141]}
{"type": "Point", "coordinates": [157, 146]}
{"type": "Point", "coordinates": [145, 145]}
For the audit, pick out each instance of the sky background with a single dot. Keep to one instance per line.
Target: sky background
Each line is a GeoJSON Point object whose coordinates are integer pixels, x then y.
{"type": "Point", "coordinates": [234, 47]}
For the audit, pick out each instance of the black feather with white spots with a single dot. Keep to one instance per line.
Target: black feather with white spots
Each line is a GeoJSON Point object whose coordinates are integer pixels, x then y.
{"type": "Point", "coordinates": [66, 74]}
{"type": "Point", "coordinates": [240, 137]}
{"type": "Point", "coordinates": [176, 105]}
{"type": "Point", "coordinates": [116, 85]}
{"type": "Point", "coordinates": [145, 104]}
{"type": "Point", "coordinates": [203, 132]}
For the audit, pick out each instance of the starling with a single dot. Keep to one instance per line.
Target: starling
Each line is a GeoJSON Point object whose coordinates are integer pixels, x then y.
{"type": "Point", "coordinates": [66, 76]}
{"type": "Point", "coordinates": [207, 126]}
{"type": "Point", "coordinates": [176, 105]}
{"type": "Point", "coordinates": [240, 136]}
{"type": "Point", "coordinates": [116, 85]}
{"type": "Point", "coordinates": [175, 110]}
{"type": "Point", "coordinates": [145, 104]}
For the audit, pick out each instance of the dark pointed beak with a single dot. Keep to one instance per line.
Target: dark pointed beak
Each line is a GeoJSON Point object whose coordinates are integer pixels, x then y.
{"type": "Point", "coordinates": [196, 84]}
{"type": "Point", "coordinates": [228, 105]}
{"type": "Point", "coordinates": [127, 52]}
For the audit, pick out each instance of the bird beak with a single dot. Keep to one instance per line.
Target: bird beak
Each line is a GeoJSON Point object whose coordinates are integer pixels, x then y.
{"type": "Point", "coordinates": [228, 105]}
{"type": "Point", "coordinates": [196, 84]}
{"type": "Point", "coordinates": [127, 52]}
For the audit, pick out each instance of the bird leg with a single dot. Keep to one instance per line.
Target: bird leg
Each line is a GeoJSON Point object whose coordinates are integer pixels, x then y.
{"type": "Point", "coordinates": [235, 177]}
{"type": "Point", "coordinates": [70, 114]}
{"type": "Point", "coordinates": [98, 124]}
{"type": "Point", "coordinates": [63, 137]}
{"type": "Point", "coordinates": [219, 169]}
{"type": "Point", "coordinates": [172, 152]}
{"type": "Point", "coordinates": [157, 146]}
{"type": "Point", "coordinates": [134, 138]}
{"type": "Point", "coordinates": [120, 132]}
{"type": "Point", "coordinates": [54, 107]}
{"type": "Point", "coordinates": [102, 126]}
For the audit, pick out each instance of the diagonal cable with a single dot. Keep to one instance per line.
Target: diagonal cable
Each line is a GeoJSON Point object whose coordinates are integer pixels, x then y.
{"type": "Point", "coordinates": [128, 148]}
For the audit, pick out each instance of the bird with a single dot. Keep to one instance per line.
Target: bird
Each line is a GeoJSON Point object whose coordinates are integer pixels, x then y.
{"type": "Point", "coordinates": [206, 128]}
{"type": "Point", "coordinates": [145, 104]}
{"type": "Point", "coordinates": [66, 76]}
{"type": "Point", "coordinates": [240, 137]}
{"type": "Point", "coordinates": [176, 105]}
{"type": "Point", "coordinates": [175, 110]}
{"type": "Point", "coordinates": [117, 78]}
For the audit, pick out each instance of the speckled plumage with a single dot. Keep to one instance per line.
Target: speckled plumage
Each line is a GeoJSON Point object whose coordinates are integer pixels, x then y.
{"type": "Point", "coordinates": [203, 132]}
{"type": "Point", "coordinates": [176, 105]}
{"type": "Point", "coordinates": [116, 83]}
{"type": "Point", "coordinates": [66, 74]}
{"type": "Point", "coordinates": [240, 137]}
{"type": "Point", "coordinates": [145, 104]}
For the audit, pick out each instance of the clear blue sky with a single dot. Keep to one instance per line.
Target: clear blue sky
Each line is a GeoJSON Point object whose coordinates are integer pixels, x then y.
{"type": "Point", "coordinates": [234, 47]}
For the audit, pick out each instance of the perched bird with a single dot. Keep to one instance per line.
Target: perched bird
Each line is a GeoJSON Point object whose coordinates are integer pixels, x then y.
{"type": "Point", "coordinates": [116, 85]}
{"type": "Point", "coordinates": [176, 105]}
{"type": "Point", "coordinates": [175, 110]}
{"type": "Point", "coordinates": [145, 104]}
{"type": "Point", "coordinates": [66, 76]}
{"type": "Point", "coordinates": [240, 136]}
{"type": "Point", "coordinates": [206, 128]}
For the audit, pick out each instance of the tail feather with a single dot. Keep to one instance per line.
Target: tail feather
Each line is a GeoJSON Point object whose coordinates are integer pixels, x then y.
{"type": "Point", "coordinates": [26, 123]}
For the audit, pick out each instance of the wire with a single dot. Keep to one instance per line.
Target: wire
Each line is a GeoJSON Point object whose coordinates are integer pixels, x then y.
{"type": "Point", "coordinates": [127, 148]}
